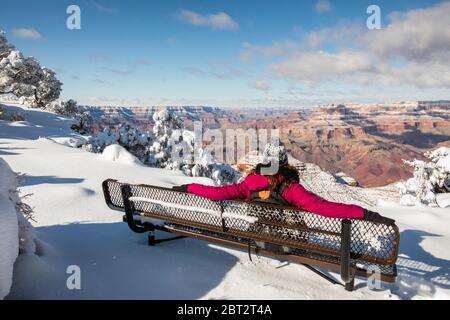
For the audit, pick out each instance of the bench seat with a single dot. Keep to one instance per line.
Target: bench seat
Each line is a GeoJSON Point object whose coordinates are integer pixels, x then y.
{"type": "Point", "coordinates": [353, 248]}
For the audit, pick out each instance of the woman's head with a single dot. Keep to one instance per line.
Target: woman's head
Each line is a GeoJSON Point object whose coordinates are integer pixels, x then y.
{"type": "Point", "coordinates": [285, 174]}
{"type": "Point", "coordinates": [275, 154]}
{"type": "Point", "coordinates": [276, 166]}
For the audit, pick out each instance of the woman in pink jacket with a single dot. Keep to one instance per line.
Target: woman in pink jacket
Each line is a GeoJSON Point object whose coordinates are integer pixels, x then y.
{"type": "Point", "coordinates": [262, 184]}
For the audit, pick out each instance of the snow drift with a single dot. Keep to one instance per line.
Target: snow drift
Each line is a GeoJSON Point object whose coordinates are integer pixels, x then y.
{"type": "Point", "coordinates": [75, 227]}
{"type": "Point", "coordinates": [9, 228]}
{"type": "Point", "coordinates": [119, 154]}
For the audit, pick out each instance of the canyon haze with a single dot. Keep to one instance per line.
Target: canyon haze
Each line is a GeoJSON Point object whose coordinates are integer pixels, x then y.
{"type": "Point", "coordinates": [365, 141]}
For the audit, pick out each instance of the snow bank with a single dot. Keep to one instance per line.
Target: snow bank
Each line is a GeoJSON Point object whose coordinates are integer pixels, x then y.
{"type": "Point", "coordinates": [409, 200]}
{"type": "Point", "coordinates": [95, 238]}
{"type": "Point", "coordinates": [73, 142]}
{"type": "Point", "coordinates": [443, 200]}
{"type": "Point", "coordinates": [9, 229]}
{"type": "Point", "coordinates": [119, 154]}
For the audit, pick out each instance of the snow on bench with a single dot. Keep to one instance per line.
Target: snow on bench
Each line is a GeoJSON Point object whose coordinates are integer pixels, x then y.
{"type": "Point", "coordinates": [216, 213]}
{"type": "Point", "coordinates": [307, 237]}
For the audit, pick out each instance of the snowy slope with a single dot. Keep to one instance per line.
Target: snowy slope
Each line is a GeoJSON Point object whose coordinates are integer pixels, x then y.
{"type": "Point", "coordinates": [9, 229]}
{"type": "Point", "coordinates": [75, 227]}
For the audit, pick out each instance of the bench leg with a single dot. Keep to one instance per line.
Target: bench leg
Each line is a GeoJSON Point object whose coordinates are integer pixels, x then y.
{"type": "Point", "coordinates": [346, 275]}
{"type": "Point", "coordinates": [129, 210]}
{"type": "Point", "coordinates": [151, 238]}
{"type": "Point", "coordinates": [152, 241]}
{"type": "Point", "coordinates": [350, 286]}
{"type": "Point", "coordinates": [323, 275]}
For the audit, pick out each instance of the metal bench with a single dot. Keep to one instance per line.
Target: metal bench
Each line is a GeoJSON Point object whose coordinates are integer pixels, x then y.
{"type": "Point", "coordinates": [350, 247]}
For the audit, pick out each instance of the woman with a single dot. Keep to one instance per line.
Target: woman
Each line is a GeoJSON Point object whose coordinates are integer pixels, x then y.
{"type": "Point", "coordinates": [283, 187]}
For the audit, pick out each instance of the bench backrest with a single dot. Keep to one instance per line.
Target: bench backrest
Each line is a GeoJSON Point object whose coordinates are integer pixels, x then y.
{"type": "Point", "coordinates": [283, 225]}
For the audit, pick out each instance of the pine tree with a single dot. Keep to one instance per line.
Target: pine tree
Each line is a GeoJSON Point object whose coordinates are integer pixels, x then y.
{"type": "Point", "coordinates": [165, 124]}
{"type": "Point", "coordinates": [176, 148]}
{"type": "Point", "coordinates": [25, 78]}
{"type": "Point", "coordinates": [429, 178]}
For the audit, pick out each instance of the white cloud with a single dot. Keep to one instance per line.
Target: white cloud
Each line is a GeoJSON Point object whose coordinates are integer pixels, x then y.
{"type": "Point", "coordinates": [26, 33]}
{"type": "Point", "coordinates": [323, 6]}
{"type": "Point", "coordinates": [413, 50]}
{"type": "Point", "coordinates": [262, 85]}
{"type": "Point", "coordinates": [420, 75]}
{"type": "Point", "coordinates": [321, 65]}
{"type": "Point", "coordinates": [216, 21]}
{"type": "Point", "coordinates": [344, 34]}
{"type": "Point", "coordinates": [417, 35]}
{"type": "Point", "coordinates": [249, 51]}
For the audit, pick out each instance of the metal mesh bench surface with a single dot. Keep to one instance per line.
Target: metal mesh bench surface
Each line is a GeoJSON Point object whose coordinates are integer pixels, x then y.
{"type": "Point", "coordinates": [241, 221]}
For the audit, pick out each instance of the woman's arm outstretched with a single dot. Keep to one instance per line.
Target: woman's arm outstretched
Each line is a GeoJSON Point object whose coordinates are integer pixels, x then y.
{"type": "Point", "coordinates": [235, 191]}
{"type": "Point", "coordinates": [298, 196]}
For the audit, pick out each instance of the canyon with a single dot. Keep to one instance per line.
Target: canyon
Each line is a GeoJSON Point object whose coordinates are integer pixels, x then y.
{"type": "Point", "coordinates": [365, 141]}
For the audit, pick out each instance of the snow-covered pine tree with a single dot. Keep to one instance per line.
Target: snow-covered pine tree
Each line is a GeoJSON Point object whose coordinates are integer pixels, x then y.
{"type": "Point", "coordinates": [182, 148]}
{"type": "Point", "coordinates": [25, 78]}
{"type": "Point", "coordinates": [176, 148]}
{"type": "Point", "coordinates": [429, 178]}
{"type": "Point", "coordinates": [85, 122]}
{"type": "Point", "coordinates": [18, 75]}
{"type": "Point", "coordinates": [172, 147]}
{"type": "Point", "coordinates": [67, 108]}
{"type": "Point", "coordinates": [47, 89]}
{"type": "Point", "coordinates": [165, 124]}
{"type": "Point", "coordinates": [135, 141]}
{"type": "Point", "coordinates": [138, 143]}
{"type": "Point", "coordinates": [223, 174]}
{"type": "Point", "coordinates": [5, 46]}
{"type": "Point", "coordinates": [101, 140]}
{"type": "Point", "coordinates": [71, 109]}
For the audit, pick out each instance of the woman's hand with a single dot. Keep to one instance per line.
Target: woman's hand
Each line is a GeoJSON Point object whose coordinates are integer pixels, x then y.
{"type": "Point", "coordinates": [377, 218]}
{"type": "Point", "coordinates": [182, 188]}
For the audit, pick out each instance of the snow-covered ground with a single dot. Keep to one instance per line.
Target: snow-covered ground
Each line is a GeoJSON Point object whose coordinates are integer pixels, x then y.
{"type": "Point", "coordinates": [75, 227]}
{"type": "Point", "coordinates": [9, 228]}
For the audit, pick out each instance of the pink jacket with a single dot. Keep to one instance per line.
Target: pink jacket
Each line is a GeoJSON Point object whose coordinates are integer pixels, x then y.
{"type": "Point", "coordinates": [296, 195]}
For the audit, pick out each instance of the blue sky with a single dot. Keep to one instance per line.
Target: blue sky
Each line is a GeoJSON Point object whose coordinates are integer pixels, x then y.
{"type": "Point", "coordinates": [234, 53]}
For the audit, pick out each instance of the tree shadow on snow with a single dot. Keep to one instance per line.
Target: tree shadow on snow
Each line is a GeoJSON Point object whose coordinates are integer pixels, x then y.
{"type": "Point", "coordinates": [7, 151]}
{"type": "Point", "coordinates": [49, 125]}
{"type": "Point", "coordinates": [27, 180]}
{"type": "Point", "coordinates": [419, 272]}
{"type": "Point", "coordinates": [116, 263]}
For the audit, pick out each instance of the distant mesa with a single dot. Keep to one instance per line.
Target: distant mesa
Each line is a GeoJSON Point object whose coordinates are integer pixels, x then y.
{"type": "Point", "coordinates": [367, 142]}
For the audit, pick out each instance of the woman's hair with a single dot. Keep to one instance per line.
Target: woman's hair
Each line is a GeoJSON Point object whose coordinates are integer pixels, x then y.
{"type": "Point", "coordinates": [286, 174]}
